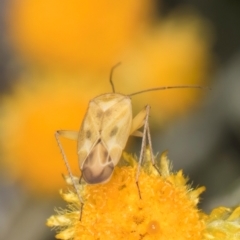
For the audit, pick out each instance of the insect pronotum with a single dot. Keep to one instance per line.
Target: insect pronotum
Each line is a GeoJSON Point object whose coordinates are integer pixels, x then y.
{"type": "Point", "coordinates": [104, 132]}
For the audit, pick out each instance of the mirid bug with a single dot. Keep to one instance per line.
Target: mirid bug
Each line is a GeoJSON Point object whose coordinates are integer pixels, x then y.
{"type": "Point", "coordinates": [104, 132]}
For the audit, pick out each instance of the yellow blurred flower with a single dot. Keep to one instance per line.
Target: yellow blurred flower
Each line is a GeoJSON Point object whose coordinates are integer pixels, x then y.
{"type": "Point", "coordinates": [30, 115]}
{"type": "Point", "coordinates": [167, 211]}
{"type": "Point", "coordinates": [223, 224]}
{"type": "Point", "coordinates": [176, 51]}
{"type": "Point", "coordinates": [75, 34]}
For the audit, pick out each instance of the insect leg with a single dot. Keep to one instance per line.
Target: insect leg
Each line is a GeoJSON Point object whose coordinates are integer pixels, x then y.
{"type": "Point", "coordinates": [73, 135]}
{"type": "Point", "coordinates": [145, 127]}
{"type": "Point", "coordinates": [150, 148]}
{"type": "Point", "coordinates": [57, 134]}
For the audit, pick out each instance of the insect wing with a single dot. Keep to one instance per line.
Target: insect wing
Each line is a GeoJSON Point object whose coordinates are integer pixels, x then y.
{"type": "Point", "coordinates": [89, 133]}
{"type": "Point", "coordinates": [116, 126]}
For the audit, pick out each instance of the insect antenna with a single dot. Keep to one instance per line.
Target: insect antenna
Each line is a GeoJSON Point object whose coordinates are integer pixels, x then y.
{"type": "Point", "coordinates": [111, 74]}
{"type": "Point", "coordinates": [168, 87]}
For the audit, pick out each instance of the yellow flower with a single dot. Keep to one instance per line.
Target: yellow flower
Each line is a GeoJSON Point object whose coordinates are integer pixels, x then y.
{"type": "Point", "coordinates": [176, 51]}
{"type": "Point", "coordinates": [223, 224]}
{"type": "Point", "coordinates": [167, 209]}
{"type": "Point", "coordinates": [75, 34]}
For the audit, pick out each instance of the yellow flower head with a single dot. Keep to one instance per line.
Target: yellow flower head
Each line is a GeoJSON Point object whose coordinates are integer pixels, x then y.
{"type": "Point", "coordinates": [223, 224]}
{"type": "Point", "coordinates": [167, 208]}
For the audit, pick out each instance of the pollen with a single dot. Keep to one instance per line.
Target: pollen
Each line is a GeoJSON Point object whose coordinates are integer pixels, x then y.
{"type": "Point", "coordinates": [167, 209]}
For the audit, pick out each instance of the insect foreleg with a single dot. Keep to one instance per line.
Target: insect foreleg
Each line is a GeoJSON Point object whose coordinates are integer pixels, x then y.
{"type": "Point", "coordinates": [151, 149]}
{"type": "Point", "coordinates": [146, 136]}
{"type": "Point", "coordinates": [73, 135]}
{"type": "Point", "coordinates": [57, 134]}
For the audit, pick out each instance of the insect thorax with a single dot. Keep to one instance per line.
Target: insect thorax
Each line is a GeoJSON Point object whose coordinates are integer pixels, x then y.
{"type": "Point", "coordinates": [107, 100]}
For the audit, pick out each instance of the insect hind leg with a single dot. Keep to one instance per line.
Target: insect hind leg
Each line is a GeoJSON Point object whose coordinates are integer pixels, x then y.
{"type": "Point", "coordinates": [146, 137]}
{"type": "Point", "coordinates": [57, 134]}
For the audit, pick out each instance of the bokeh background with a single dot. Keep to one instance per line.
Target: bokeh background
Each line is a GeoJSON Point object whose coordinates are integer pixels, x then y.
{"type": "Point", "coordinates": [56, 55]}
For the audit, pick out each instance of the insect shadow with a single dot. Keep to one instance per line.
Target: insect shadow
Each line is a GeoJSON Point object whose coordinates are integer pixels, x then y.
{"type": "Point", "coordinates": [103, 135]}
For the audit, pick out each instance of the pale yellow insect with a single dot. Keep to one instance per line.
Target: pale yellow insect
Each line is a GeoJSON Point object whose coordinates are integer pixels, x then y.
{"type": "Point", "coordinates": [104, 132]}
